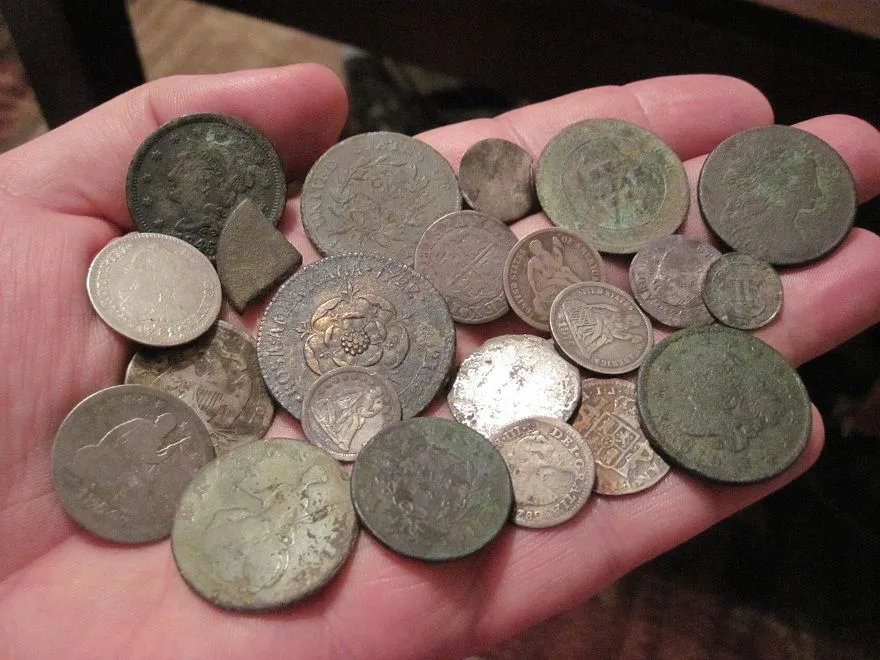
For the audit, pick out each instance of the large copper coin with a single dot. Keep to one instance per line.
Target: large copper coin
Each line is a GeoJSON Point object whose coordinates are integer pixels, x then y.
{"type": "Point", "coordinates": [601, 328]}
{"type": "Point", "coordinates": [123, 457]}
{"type": "Point", "coordinates": [723, 404]}
{"type": "Point", "coordinates": [431, 489]}
{"type": "Point", "coordinates": [609, 422]}
{"type": "Point", "coordinates": [361, 310]}
{"type": "Point", "coordinates": [742, 292]}
{"type": "Point", "coordinates": [463, 254]}
{"type": "Point", "coordinates": [496, 177]}
{"type": "Point", "coordinates": [778, 193]}
{"type": "Point", "coordinates": [541, 265]}
{"type": "Point", "coordinates": [189, 174]}
{"type": "Point", "coordinates": [376, 192]}
{"type": "Point", "coordinates": [218, 376]}
{"type": "Point", "coordinates": [666, 277]}
{"type": "Point", "coordinates": [616, 184]}
{"type": "Point", "coordinates": [264, 525]}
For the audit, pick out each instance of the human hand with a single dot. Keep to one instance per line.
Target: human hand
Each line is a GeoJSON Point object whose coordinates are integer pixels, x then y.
{"type": "Point", "coordinates": [64, 592]}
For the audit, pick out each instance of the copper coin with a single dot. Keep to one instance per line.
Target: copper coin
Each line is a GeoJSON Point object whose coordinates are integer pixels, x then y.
{"type": "Point", "coordinates": [462, 254]}
{"type": "Point", "coordinates": [666, 277]}
{"type": "Point", "coordinates": [346, 407]}
{"type": "Point", "coordinates": [742, 292]}
{"type": "Point", "coordinates": [496, 177]}
{"type": "Point", "coordinates": [608, 420]}
{"type": "Point", "coordinates": [601, 328]}
{"type": "Point", "coordinates": [541, 265]}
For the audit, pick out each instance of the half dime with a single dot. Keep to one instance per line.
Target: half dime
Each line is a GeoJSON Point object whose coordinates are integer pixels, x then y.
{"type": "Point", "coordinates": [496, 177]}
{"type": "Point", "coordinates": [742, 292]}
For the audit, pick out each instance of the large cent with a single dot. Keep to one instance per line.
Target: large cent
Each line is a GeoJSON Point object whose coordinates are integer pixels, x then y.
{"type": "Point", "coordinates": [360, 310]}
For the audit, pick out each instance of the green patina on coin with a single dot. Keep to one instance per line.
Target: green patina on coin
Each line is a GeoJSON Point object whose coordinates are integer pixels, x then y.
{"type": "Point", "coordinates": [723, 404]}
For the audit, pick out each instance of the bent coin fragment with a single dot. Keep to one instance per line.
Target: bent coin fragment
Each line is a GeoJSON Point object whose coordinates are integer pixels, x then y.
{"type": "Point", "coordinates": [496, 177]}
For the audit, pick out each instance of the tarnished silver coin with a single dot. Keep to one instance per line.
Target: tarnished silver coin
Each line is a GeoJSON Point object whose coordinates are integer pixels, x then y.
{"type": "Point", "coordinates": [614, 183]}
{"type": "Point", "coordinates": [346, 407]}
{"type": "Point", "coordinates": [218, 376]}
{"type": "Point", "coordinates": [376, 192]}
{"type": "Point", "coordinates": [541, 265]}
{"type": "Point", "coordinates": [608, 420]}
{"type": "Point", "coordinates": [601, 328]}
{"type": "Point", "coordinates": [463, 254]}
{"type": "Point", "coordinates": [431, 489]}
{"type": "Point", "coordinates": [496, 177]}
{"type": "Point", "coordinates": [742, 292]}
{"type": "Point", "coordinates": [666, 277]}
{"type": "Point", "coordinates": [122, 458]}
{"type": "Point", "coordinates": [154, 289]}
{"type": "Point", "coordinates": [551, 467]}
{"type": "Point", "coordinates": [264, 525]}
{"type": "Point", "coordinates": [511, 377]}
{"type": "Point", "coordinates": [360, 310]}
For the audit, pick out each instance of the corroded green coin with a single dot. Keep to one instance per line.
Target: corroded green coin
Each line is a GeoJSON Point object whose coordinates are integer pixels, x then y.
{"type": "Point", "coordinates": [723, 404]}
{"type": "Point", "coordinates": [616, 184]}
{"type": "Point", "coordinates": [431, 489]}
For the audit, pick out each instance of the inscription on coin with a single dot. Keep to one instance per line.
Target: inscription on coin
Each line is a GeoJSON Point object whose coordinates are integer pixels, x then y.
{"type": "Point", "coordinates": [742, 291]}
{"type": "Point", "coordinates": [495, 177]}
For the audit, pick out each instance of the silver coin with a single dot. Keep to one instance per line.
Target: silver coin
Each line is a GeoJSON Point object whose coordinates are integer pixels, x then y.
{"type": "Point", "coordinates": [264, 525]}
{"type": "Point", "coordinates": [742, 291]}
{"type": "Point", "coordinates": [496, 177]}
{"type": "Point", "coordinates": [154, 289]}
{"type": "Point", "coordinates": [218, 376]}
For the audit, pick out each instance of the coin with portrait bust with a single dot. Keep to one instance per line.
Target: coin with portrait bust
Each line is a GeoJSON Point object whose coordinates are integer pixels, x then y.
{"type": "Point", "coordinates": [496, 177]}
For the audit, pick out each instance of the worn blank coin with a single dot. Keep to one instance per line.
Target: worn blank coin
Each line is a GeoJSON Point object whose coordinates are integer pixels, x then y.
{"type": "Point", "coordinates": [496, 177]}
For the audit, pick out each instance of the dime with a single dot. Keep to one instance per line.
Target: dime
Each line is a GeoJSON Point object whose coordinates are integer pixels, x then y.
{"type": "Point", "coordinates": [122, 458]}
{"type": "Point", "coordinates": [188, 175]}
{"type": "Point", "coordinates": [616, 184]}
{"type": "Point", "coordinates": [462, 254]}
{"type": "Point", "coordinates": [495, 177]}
{"type": "Point", "coordinates": [218, 376]}
{"type": "Point", "coordinates": [361, 310]}
{"type": "Point", "coordinates": [346, 407]}
{"type": "Point", "coordinates": [541, 265]}
{"type": "Point", "coordinates": [742, 291]}
{"type": "Point", "coordinates": [723, 404]}
{"type": "Point", "coordinates": [551, 467]}
{"type": "Point", "coordinates": [666, 278]}
{"type": "Point", "coordinates": [511, 377]}
{"type": "Point", "coordinates": [608, 420]}
{"type": "Point", "coordinates": [778, 193]}
{"type": "Point", "coordinates": [600, 327]}
{"type": "Point", "coordinates": [431, 489]}
{"type": "Point", "coordinates": [376, 192]}
{"type": "Point", "coordinates": [154, 289]}
{"type": "Point", "coordinates": [264, 525]}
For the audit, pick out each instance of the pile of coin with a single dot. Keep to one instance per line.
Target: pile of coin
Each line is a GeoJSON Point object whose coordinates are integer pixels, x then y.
{"type": "Point", "coordinates": [357, 344]}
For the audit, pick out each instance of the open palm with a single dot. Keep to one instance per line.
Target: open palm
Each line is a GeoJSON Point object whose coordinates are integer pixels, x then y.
{"type": "Point", "coordinates": [62, 197]}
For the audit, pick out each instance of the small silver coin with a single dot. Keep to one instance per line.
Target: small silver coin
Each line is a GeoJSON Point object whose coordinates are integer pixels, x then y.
{"type": "Point", "coordinates": [264, 525]}
{"type": "Point", "coordinates": [742, 292]}
{"type": "Point", "coordinates": [154, 289]}
{"type": "Point", "coordinates": [496, 177]}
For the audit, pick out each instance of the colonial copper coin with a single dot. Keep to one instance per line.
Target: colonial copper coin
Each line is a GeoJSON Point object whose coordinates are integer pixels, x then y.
{"type": "Point", "coordinates": [154, 289]}
{"type": "Point", "coordinates": [431, 489]}
{"type": "Point", "coordinates": [346, 407]}
{"type": "Point", "coordinates": [376, 192]}
{"type": "Point", "coordinates": [778, 193]}
{"type": "Point", "coordinates": [616, 184]}
{"type": "Point", "coordinates": [188, 175]}
{"type": "Point", "coordinates": [551, 467]}
{"type": "Point", "coordinates": [496, 177]}
{"type": "Point", "coordinates": [541, 265]}
{"type": "Point", "coordinates": [608, 420]}
{"type": "Point", "coordinates": [742, 291]}
{"type": "Point", "coordinates": [511, 377]}
{"type": "Point", "coordinates": [218, 376]}
{"type": "Point", "coordinates": [600, 327]}
{"type": "Point", "coordinates": [723, 404]}
{"type": "Point", "coordinates": [666, 277]}
{"type": "Point", "coordinates": [123, 457]}
{"type": "Point", "coordinates": [462, 254]}
{"type": "Point", "coordinates": [360, 310]}
{"type": "Point", "coordinates": [264, 525]}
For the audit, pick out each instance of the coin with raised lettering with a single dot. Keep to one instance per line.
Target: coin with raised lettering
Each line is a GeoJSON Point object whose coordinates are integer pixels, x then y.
{"type": "Point", "coordinates": [614, 183]}
{"type": "Point", "coordinates": [742, 292]}
{"type": "Point", "coordinates": [496, 177]}
{"type": "Point", "coordinates": [154, 289]}
{"type": "Point", "coordinates": [265, 525]}
{"type": "Point", "coordinates": [431, 489]}
{"type": "Point", "coordinates": [122, 458]}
